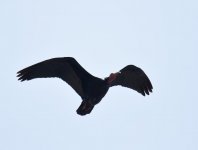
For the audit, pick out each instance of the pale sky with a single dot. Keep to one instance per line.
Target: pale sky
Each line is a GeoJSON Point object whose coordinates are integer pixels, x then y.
{"type": "Point", "coordinates": [104, 36]}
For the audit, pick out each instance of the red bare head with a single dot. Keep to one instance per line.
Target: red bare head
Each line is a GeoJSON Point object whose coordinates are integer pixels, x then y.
{"type": "Point", "coordinates": [112, 77]}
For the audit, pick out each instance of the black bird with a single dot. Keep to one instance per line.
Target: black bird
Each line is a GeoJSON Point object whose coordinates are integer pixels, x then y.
{"type": "Point", "coordinates": [90, 88]}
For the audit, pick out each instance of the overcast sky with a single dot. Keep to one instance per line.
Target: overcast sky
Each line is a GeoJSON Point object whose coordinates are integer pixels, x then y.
{"type": "Point", "coordinates": [104, 36]}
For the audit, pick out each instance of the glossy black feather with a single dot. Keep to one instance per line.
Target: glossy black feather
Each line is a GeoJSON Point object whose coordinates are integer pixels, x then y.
{"type": "Point", "coordinates": [134, 78]}
{"type": "Point", "coordinates": [66, 68]}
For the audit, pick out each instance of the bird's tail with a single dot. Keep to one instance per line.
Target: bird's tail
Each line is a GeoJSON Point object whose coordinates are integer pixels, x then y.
{"type": "Point", "coordinates": [85, 108]}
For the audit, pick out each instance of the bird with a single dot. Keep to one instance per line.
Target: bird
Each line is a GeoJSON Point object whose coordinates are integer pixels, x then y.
{"type": "Point", "coordinates": [91, 89]}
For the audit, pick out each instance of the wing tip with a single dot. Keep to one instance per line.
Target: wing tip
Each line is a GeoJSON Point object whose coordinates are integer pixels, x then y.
{"type": "Point", "coordinates": [22, 76]}
{"type": "Point", "coordinates": [146, 91]}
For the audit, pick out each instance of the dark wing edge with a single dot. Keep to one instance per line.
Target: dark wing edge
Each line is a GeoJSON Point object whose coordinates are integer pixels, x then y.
{"type": "Point", "coordinates": [55, 67]}
{"type": "Point", "coordinates": [133, 78]}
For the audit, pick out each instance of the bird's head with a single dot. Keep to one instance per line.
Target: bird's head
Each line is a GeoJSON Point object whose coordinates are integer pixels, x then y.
{"type": "Point", "coordinates": [112, 77]}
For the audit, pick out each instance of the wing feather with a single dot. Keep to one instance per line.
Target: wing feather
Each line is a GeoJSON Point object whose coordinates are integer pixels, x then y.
{"type": "Point", "coordinates": [134, 78]}
{"type": "Point", "coordinates": [66, 68]}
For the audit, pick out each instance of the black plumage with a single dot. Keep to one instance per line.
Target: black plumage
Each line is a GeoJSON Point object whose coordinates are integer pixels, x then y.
{"type": "Point", "coordinates": [90, 88]}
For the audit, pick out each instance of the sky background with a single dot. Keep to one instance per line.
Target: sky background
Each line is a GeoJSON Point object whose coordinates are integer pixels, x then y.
{"type": "Point", "coordinates": [104, 36]}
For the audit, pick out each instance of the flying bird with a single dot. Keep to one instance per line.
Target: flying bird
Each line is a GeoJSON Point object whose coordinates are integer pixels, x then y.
{"type": "Point", "coordinates": [91, 89]}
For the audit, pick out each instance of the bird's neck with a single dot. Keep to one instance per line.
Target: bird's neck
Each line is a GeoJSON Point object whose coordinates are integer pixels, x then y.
{"type": "Point", "coordinates": [107, 81]}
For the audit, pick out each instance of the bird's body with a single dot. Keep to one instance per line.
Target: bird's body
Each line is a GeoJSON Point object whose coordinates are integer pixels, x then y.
{"type": "Point", "coordinates": [91, 89]}
{"type": "Point", "coordinates": [94, 90]}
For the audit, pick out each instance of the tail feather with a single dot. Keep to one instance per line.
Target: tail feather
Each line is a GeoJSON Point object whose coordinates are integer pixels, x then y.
{"type": "Point", "coordinates": [85, 108]}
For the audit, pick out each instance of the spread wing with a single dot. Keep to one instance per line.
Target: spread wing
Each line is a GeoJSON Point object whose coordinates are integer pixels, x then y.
{"type": "Point", "coordinates": [134, 78]}
{"type": "Point", "coordinates": [66, 68]}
